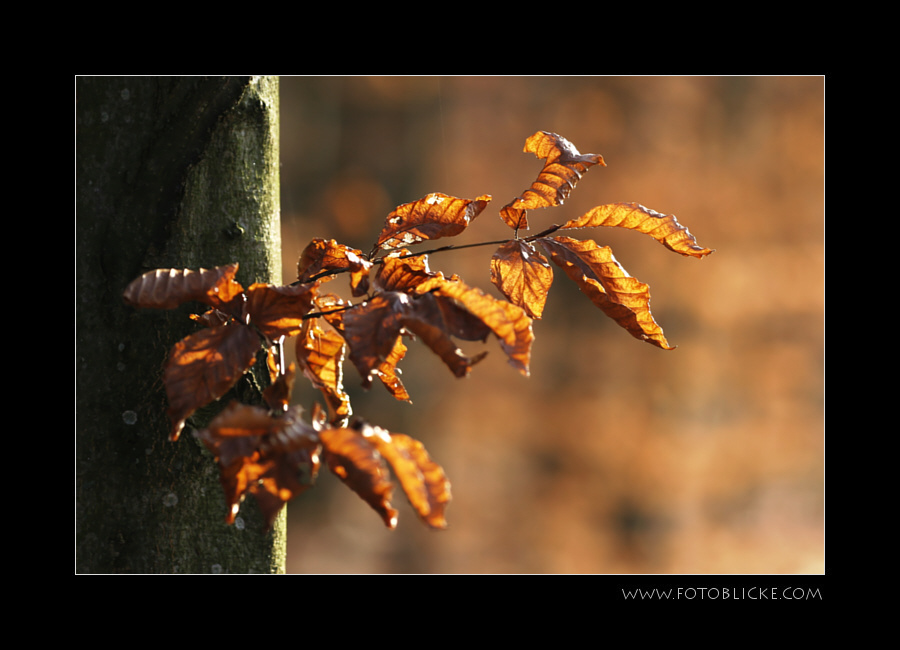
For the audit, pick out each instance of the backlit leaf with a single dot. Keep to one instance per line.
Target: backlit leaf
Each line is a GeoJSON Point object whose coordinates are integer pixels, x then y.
{"type": "Point", "coordinates": [664, 228]}
{"type": "Point", "coordinates": [279, 310]}
{"type": "Point", "coordinates": [564, 166]}
{"type": "Point", "coordinates": [202, 367]}
{"type": "Point", "coordinates": [432, 217]}
{"type": "Point", "coordinates": [423, 481]}
{"type": "Point", "coordinates": [600, 276]}
{"type": "Point", "coordinates": [523, 275]}
{"type": "Point", "coordinates": [320, 353]}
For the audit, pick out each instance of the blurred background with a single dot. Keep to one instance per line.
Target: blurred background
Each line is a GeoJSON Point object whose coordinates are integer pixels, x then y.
{"type": "Point", "coordinates": [614, 456]}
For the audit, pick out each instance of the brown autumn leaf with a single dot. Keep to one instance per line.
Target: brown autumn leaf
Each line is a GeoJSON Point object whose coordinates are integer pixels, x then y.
{"type": "Point", "coordinates": [664, 228]}
{"type": "Point", "coordinates": [600, 276]}
{"type": "Point", "coordinates": [564, 166]}
{"type": "Point", "coordinates": [356, 461]}
{"type": "Point", "coordinates": [432, 217]}
{"type": "Point", "coordinates": [323, 257]}
{"type": "Point", "coordinates": [523, 275]}
{"type": "Point", "coordinates": [279, 310]}
{"type": "Point", "coordinates": [274, 458]}
{"type": "Point", "coordinates": [203, 366]}
{"type": "Point", "coordinates": [371, 330]}
{"type": "Point", "coordinates": [423, 481]}
{"type": "Point", "coordinates": [169, 288]}
{"type": "Point", "coordinates": [320, 353]}
{"type": "Point", "coordinates": [508, 322]}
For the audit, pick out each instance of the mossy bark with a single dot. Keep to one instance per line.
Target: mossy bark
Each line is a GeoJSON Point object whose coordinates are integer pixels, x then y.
{"type": "Point", "coordinates": [171, 172]}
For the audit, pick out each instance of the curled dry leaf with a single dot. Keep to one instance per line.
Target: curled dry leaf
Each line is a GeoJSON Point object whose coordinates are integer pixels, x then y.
{"type": "Point", "coordinates": [564, 167]}
{"type": "Point", "coordinates": [169, 288]}
{"type": "Point", "coordinates": [600, 276]}
{"type": "Point", "coordinates": [321, 257]}
{"type": "Point", "coordinates": [432, 217]}
{"type": "Point", "coordinates": [523, 275]}
{"type": "Point", "coordinates": [664, 228]}
{"type": "Point", "coordinates": [202, 367]}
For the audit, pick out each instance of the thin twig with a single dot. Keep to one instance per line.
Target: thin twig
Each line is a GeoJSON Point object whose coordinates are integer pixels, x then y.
{"type": "Point", "coordinates": [450, 247]}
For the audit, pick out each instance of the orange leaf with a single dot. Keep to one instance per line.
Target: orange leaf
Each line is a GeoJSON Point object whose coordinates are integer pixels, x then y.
{"type": "Point", "coordinates": [564, 167]}
{"type": "Point", "coordinates": [435, 216]}
{"type": "Point", "coordinates": [169, 288]}
{"type": "Point", "coordinates": [279, 310]}
{"type": "Point", "coordinates": [423, 480]}
{"type": "Point", "coordinates": [388, 372]}
{"type": "Point", "coordinates": [356, 461]}
{"type": "Point", "coordinates": [507, 321]}
{"type": "Point", "coordinates": [600, 276]}
{"type": "Point", "coordinates": [523, 275]}
{"type": "Point", "coordinates": [203, 366]}
{"type": "Point", "coordinates": [322, 256]}
{"type": "Point", "coordinates": [321, 355]}
{"type": "Point", "coordinates": [664, 228]}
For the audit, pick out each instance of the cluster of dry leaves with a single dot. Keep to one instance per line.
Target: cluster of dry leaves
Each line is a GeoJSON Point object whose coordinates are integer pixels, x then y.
{"type": "Point", "coordinates": [272, 452]}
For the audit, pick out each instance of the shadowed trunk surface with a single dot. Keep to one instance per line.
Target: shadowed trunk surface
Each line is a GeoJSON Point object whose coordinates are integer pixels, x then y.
{"type": "Point", "coordinates": [171, 172]}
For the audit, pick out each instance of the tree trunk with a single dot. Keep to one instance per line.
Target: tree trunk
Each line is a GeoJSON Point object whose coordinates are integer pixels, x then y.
{"type": "Point", "coordinates": [170, 173]}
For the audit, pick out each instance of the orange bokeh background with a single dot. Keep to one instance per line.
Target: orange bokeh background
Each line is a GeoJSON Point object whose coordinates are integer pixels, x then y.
{"type": "Point", "coordinates": [614, 456]}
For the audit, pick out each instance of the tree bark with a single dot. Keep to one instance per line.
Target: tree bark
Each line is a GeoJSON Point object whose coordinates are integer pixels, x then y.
{"type": "Point", "coordinates": [171, 172]}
